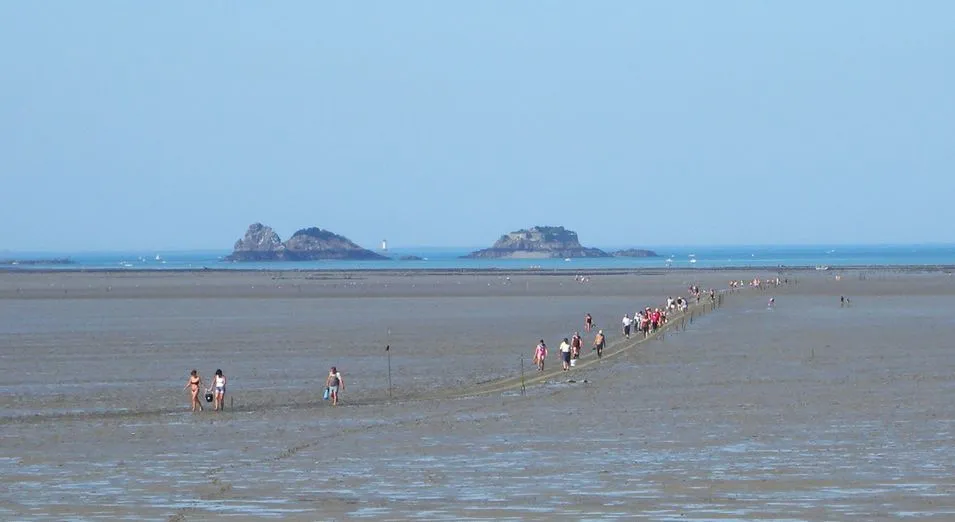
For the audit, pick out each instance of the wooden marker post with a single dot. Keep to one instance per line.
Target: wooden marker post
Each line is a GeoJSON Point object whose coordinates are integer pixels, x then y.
{"type": "Point", "coordinates": [388, 351]}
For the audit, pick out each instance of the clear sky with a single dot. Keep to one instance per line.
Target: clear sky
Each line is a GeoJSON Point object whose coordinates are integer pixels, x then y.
{"type": "Point", "coordinates": [174, 125]}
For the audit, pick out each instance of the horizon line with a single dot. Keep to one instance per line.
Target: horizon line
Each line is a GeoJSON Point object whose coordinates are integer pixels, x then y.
{"type": "Point", "coordinates": [462, 247]}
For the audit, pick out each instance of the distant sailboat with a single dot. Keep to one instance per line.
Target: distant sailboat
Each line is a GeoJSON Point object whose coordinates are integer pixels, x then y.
{"type": "Point", "coordinates": [384, 244]}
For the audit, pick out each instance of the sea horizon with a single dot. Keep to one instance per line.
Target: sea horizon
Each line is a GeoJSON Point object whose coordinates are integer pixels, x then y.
{"type": "Point", "coordinates": [471, 248]}
{"type": "Point", "coordinates": [449, 258]}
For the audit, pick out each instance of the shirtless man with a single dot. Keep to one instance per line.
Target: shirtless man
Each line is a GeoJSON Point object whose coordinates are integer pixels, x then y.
{"type": "Point", "coordinates": [600, 342]}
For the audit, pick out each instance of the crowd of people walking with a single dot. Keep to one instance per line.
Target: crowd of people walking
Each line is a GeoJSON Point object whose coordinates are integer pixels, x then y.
{"type": "Point", "coordinates": [643, 322]}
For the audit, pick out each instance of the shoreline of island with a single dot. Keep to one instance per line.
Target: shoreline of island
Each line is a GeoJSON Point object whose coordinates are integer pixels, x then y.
{"type": "Point", "coordinates": [488, 270]}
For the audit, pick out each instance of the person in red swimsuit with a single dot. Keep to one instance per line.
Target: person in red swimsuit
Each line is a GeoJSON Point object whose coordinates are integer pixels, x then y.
{"type": "Point", "coordinates": [575, 343]}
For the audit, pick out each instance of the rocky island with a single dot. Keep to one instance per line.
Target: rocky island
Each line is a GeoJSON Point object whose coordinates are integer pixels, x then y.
{"type": "Point", "coordinates": [261, 243]}
{"type": "Point", "coordinates": [635, 252]}
{"type": "Point", "coordinates": [537, 243]}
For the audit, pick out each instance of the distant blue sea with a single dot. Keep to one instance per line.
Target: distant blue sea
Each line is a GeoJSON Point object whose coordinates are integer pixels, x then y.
{"type": "Point", "coordinates": [833, 256]}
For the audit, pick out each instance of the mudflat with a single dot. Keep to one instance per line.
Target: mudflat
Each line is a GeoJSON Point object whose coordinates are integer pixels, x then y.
{"type": "Point", "coordinates": [808, 410]}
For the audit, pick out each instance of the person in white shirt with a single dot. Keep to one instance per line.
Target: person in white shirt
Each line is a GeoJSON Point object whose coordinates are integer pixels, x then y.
{"type": "Point", "coordinates": [626, 325]}
{"type": "Point", "coordinates": [218, 384]}
{"type": "Point", "coordinates": [565, 354]}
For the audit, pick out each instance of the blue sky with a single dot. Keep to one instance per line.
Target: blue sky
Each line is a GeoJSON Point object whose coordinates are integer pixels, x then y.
{"type": "Point", "coordinates": [174, 125]}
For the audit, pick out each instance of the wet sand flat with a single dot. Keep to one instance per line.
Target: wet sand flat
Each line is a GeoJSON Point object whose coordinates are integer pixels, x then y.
{"type": "Point", "coordinates": [808, 411]}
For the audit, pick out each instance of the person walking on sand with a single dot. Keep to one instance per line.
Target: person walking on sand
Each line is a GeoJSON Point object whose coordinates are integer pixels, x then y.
{"type": "Point", "coordinates": [600, 342]}
{"type": "Point", "coordinates": [575, 344]}
{"type": "Point", "coordinates": [335, 384]}
{"type": "Point", "coordinates": [626, 325]}
{"type": "Point", "coordinates": [218, 384]}
{"type": "Point", "coordinates": [588, 323]}
{"type": "Point", "coordinates": [565, 354]}
{"type": "Point", "coordinates": [540, 353]}
{"type": "Point", "coordinates": [194, 384]}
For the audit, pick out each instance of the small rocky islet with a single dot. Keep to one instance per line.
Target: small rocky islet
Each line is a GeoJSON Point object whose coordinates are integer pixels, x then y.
{"type": "Point", "coordinates": [542, 242]}
{"type": "Point", "coordinates": [261, 243]}
{"type": "Point", "coordinates": [635, 252]}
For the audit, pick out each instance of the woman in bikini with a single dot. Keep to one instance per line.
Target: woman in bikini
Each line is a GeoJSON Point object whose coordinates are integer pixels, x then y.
{"type": "Point", "coordinates": [588, 323]}
{"type": "Point", "coordinates": [218, 382]}
{"type": "Point", "coordinates": [194, 384]}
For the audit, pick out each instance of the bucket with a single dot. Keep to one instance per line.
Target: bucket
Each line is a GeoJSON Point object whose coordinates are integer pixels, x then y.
{"type": "Point", "coordinates": [573, 362]}
{"type": "Point", "coordinates": [208, 397]}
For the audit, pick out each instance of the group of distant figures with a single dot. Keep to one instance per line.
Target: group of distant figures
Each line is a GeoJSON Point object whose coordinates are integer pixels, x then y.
{"type": "Point", "coordinates": [646, 322]}
{"type": "Point", "coordinates": [759, 283]}
{"type": "Point", "coordinates": [334, 385]}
